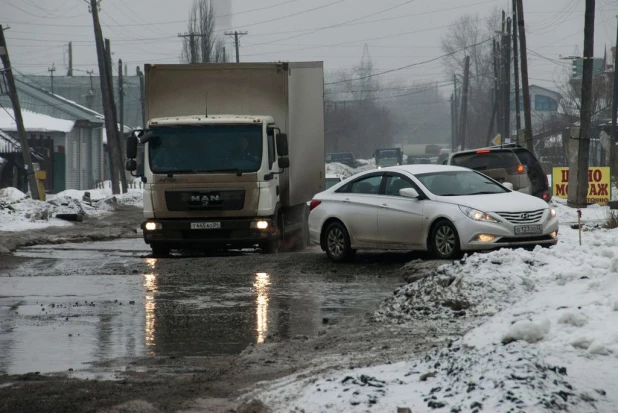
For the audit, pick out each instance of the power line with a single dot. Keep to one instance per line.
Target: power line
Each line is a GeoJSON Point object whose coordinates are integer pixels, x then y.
{"type": "Point", "coordinates": [411, 65]}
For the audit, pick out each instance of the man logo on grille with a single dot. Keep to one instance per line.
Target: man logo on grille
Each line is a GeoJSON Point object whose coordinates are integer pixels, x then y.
{"type": "Point", "coordinates": [205, 199]}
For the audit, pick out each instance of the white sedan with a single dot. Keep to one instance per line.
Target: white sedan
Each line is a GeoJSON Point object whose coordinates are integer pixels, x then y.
{"type": "Point", "coordinates": [436, 208]}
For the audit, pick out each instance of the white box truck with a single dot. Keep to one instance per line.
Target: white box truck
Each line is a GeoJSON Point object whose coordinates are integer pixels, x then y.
{"type": "Point", "coordinates": [232, 154]}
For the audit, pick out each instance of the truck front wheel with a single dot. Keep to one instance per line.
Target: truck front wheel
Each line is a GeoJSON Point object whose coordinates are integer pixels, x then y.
{"type": "Point", "coordinates": [160, 250]}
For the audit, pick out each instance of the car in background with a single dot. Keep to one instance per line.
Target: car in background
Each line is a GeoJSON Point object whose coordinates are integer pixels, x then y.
{"type": "Point", "coordinates": [345, 158]}
{"type": "Point", "coordinates": [508, 163]}
{"type": "Point", "coordinates": [418, 160]}
{"type": "Point", "coordinates": [436, 208]}
{"type": "Point", "coordinates": [333, 179]}
{"type": "Point", "coordinates": [388, 157]}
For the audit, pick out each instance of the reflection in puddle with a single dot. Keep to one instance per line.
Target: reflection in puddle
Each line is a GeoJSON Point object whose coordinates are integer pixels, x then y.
{"type": "Point", "coordinates": [262, 281]}
{"type": "Point", "coordinates": [151, 262]}
{"type": "Point", "coordinates": [150, 284]}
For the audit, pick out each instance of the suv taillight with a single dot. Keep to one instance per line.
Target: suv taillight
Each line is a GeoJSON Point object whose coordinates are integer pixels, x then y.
{"type": "Point", "coordinates": [314, 204]}
{"type": "Point", "coordinates": [516, 170]}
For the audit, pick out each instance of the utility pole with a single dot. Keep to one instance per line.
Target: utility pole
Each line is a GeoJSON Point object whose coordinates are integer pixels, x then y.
{"type": "Point", "coordinates": [464, 104]}
{"type": "Point", "coordinates": [497, 88]}
{"type": "Point", "coordinates": [51, 74]}
{"type": "Point", "coordinates": [19, 121]}
{"type": "Point", "coordinates": [192, 49]}
{"type": "Point", "coordinates": [507, 81]}
{"type": "Point", "coordinates": [524, 75]}
{"type": "Point", "coordinates": [237, 35]}
{"type": "Point", "coordinates": [141, 96]}
{"type": "Point", "coordinates": [110, 90]}
{"type": "Point", "coordinates": [456, 113]}
{"type": "Point", "coordinates": [113, 150]}
{"type": "Point", "coordinates": [614, 137]}
{"type": "Point", "coordinates": [70, 71]}
{"type": "Point", "coordinates": [578, 176]}
{"type": "Point", "coordinates": [120, 101]}
{"type": "Point", "coordinates": [516, 73]}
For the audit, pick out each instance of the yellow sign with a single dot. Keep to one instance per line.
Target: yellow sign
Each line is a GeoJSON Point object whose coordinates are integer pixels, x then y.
{"type": "Point", "coordinates": [599, 191]}
{"type": "Point", "coordinates": [497, 140]}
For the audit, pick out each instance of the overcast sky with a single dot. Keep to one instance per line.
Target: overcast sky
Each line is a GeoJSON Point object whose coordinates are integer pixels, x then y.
{"type": "Point", "coordinates": [398, 32]}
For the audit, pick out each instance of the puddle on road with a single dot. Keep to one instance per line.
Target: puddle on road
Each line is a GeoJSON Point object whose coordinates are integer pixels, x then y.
{"type": "Point", "coordinates": [62, 322]}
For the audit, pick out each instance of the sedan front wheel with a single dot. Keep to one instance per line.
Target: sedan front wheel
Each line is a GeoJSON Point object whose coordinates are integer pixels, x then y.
{"type": "Point", "coordinates": [337, 243]}
{"type": "Point", "coordinates": [444, 241]}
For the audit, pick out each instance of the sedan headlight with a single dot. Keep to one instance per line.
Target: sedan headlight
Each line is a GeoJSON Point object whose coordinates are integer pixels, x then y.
{"type": "Point", "coordinates": [477, 215]}
{"type": "Point", "coordinates": [552, 212]}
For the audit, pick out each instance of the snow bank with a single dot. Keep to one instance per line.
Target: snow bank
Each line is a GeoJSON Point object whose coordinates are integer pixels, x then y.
{"type": "Point", "coordinates": [102, 199]}
{"type": "Point", "coordinates": [340, 169]}
{"type": "Point", "coordinates": [544, 337]}
{"type": "Point", "coordinates": [20, 213]}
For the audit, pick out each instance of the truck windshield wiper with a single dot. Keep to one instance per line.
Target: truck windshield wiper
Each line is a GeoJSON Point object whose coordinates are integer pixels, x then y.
{"type": "Point", "coordinates": [231, 170]}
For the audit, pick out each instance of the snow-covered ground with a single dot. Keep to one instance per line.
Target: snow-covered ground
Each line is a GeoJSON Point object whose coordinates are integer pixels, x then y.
{"type": "Point", "coordinates": [543, 337]}
{"type": "Point", "coordinates": [18, 212]}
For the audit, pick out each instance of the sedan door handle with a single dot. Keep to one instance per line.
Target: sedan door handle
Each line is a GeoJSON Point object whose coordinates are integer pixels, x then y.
{"type": "Point", "coordinates": [347, 200]}
{"type": "Point", "coordinates": [384, 206]}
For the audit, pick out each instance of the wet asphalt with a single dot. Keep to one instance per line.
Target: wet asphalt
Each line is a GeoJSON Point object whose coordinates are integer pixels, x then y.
{"type": "Point", "coordinates": [75, 306]}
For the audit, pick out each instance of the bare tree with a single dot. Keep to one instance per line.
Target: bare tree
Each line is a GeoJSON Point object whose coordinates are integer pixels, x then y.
{"type": "Point", "coordinates": [202, 45]}
{"type": "Point", "coordinates": [467, 37]}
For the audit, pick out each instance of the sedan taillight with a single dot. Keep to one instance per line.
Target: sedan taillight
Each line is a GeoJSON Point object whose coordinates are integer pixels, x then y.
{"type": "Point", "coordinates": [314, 204]}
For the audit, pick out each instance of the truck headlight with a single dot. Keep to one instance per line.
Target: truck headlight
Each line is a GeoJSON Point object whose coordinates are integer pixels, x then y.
{"type": "Point", "coordinates": [260, 225]}
{"type": "Point", "coordinates": [152, 226]}
{"type": "Point", "coordinates": [477, 215]}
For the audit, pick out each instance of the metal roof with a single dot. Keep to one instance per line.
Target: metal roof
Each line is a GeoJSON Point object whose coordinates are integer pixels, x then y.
{"type": "Point", "coordinates": [70, 108]}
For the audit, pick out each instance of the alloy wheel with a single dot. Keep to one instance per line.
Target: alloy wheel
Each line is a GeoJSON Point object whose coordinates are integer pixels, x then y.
{"type": "Point", "coordinates": [445, 240]}
{"type": "Point", "coordinates": [336, 242]}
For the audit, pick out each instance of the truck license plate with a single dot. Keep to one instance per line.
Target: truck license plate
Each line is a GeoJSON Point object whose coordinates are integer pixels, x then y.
{"type": "Point", "coordinates": [528, 229]}
{"type": "Point", "coordinates": [205, 225]}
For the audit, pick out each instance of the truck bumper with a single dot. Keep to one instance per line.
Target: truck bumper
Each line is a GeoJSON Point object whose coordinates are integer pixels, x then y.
{"type": "Point", "coordinates": [231, 233]}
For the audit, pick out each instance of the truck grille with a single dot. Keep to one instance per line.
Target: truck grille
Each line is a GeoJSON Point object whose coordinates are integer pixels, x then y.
{"type": "Point", "coordinates": [529, 217]}
{"type": "Point", "coordinates": [223, 200]}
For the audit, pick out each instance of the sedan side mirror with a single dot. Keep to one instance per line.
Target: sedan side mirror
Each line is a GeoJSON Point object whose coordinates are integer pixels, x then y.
{"type": "Point", "coordinates": [508, 185]}
{"type": "Point", "coordinates": [408, 193]}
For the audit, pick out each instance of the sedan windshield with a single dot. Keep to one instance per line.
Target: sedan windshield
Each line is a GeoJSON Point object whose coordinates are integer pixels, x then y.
{"type": "Point", "coordinates": [205, 149]}
{"type": "Point", "coordinates": [459, 183]}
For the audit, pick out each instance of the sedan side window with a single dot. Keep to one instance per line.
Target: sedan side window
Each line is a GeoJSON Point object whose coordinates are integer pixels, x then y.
{"type": "Point", "coordinates": [396, 183]}
{"type": "Point", "coordinates": [369, 185]}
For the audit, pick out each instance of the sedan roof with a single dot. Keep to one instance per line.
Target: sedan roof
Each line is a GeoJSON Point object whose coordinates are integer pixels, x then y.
{"type": "Point", "coordinates": [424, 168]}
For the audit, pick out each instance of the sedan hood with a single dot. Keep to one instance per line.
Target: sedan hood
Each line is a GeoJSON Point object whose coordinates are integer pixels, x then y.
{"type": "Point", "coordinates": [506, 202]}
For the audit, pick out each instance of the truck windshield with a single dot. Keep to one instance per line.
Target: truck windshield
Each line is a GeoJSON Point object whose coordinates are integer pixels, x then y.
{"type": "Point", "coordinates": [205, 149]}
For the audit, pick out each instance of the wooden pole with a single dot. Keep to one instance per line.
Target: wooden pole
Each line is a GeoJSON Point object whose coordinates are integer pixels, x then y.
{"type": "Point", "coordinates": [19, 121]}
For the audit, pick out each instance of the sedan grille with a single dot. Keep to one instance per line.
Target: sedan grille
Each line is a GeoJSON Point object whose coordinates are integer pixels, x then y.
{"type": "Point", "coordinates": [529, 217]}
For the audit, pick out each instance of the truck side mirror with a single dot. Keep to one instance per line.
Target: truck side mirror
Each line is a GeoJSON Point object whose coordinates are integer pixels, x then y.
{"type": "Point", "coordinates": [132, 148]}
{"type": "Point", "coordinates": [284, 163]}
{"type": "Point", "coordinates": [131, 165]}
{"type": "Point", "coordinates": [282, 144]}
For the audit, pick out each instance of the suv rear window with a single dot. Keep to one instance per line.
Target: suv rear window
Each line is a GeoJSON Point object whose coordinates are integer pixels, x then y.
{"type": "Point", "coordinates": [486, 160]}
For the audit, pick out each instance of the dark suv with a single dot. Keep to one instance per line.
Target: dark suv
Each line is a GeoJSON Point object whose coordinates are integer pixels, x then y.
{"type": "Point", "coordinates": [508, 163]}
{"type": "Point", "coordinates": [345, 158]}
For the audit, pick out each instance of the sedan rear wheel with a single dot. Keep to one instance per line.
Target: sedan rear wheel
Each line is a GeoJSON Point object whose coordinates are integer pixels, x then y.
{"type": "Point", "coordinates": [444, 240]}
{"type": "Point", "coordinates": [338, 243]}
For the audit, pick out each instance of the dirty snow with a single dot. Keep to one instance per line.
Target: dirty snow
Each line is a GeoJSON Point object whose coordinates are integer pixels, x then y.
{"type": "Point", "coordinates": [36, 122]}
{"type": "Point", "coordinates": [543, 337]}
{"type": "Point", "coordinates": [344, 170]}
{"type": "Point", "coordinates": [18, 212]}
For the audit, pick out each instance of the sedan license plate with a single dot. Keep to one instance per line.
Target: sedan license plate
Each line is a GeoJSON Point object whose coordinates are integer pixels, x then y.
{"type": "Point", "coordinates": [528, 229]}
{"type": "Point", "coordinates": [205, 225]}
